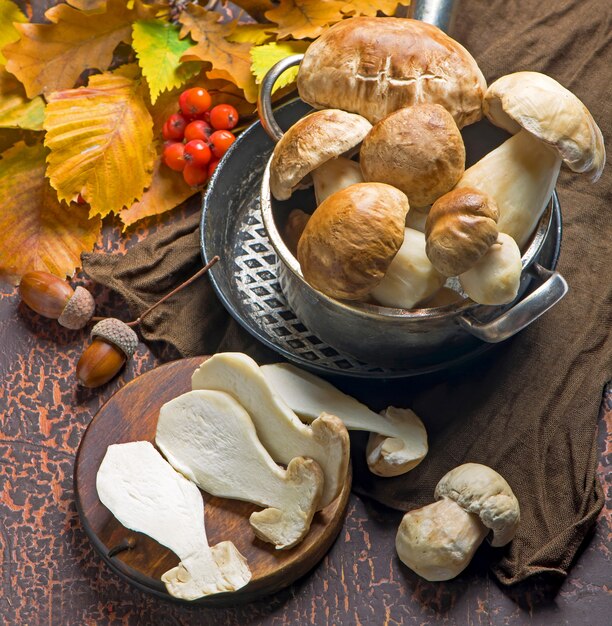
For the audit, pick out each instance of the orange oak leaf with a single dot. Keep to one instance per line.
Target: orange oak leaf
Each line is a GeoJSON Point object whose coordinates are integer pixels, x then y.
{"type": "Point", "coordinates": [50, 57]}
{"type": "Point", "coordinates": [167, 191]}
{"type": "Point", "coordinates": [212, 46]}
{"type": "Point", "coordinates": [371, 7]}
{"type": "Point", "coordinates": [100, 139]}
{"type": "Point", "coordinates": [255, 8]}
{"type": "Point", "coordinates": [37, 232]}
{"type": "Point", "coordinates": [302, 19]}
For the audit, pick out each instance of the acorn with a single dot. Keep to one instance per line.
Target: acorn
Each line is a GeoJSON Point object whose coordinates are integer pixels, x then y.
{"type": "Point", "coordinates": [113, 343]}
{"type": "Point", "coordinates": [53, 297]}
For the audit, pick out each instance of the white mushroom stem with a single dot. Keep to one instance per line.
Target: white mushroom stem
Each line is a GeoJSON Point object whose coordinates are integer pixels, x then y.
{"type": "Point", "coordinates": [439, 540]}
{"type": "Point", "coordinates": [146, 495]}
{"type": "Point", "coordinates": [279, 429]}
{"type": "Point", "coordinates": [210, 438]}
{"type": "Point", "coordinates": [520, 175]}
{"type": "Point", "coordinates": [334, 175]}
{"type": "Point", "coordinates": [398, 442]}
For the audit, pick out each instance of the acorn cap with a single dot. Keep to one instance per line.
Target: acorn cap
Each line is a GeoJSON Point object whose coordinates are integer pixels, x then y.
{"type": "Point", "coordinates": [78, 309]}
{"type": "Point", "coordinates": [118, 333]}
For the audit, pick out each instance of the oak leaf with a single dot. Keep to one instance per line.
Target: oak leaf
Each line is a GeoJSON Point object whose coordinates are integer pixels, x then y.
{"type": "Point", "coordinates": [302, 19]}
{"type": "Point", "coordinates": [9, 13]}
{"type": "Point", "coordinates": [159, 51]}
{"type": "Point", "coordinates": [264, 57]}
{"type": "Point", "coordinates": [255, 8]}
{"type": "Point", "coordinates": [230, 58]}
{"type": "Point", "coordinates": [50, 57]}
{"type": "Point", "coordinates": [166, 192]}
{"type": "Point", "coordinates": [101, 143]}
{"type": "Point", "coordinates": [371, 7]}
{"type": "Point", "coordinates": [92, 6]}
{"type": "Point", "coordinates": [37, 232]}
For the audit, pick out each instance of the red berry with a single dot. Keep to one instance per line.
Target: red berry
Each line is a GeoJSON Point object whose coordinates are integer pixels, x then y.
{"type": "Point", "coordinates": [223, 117]}
{"type": "Point", "coordinates": [221, 140]}
{"type": "Point", "coordinates": [197, 153]}
{"type": "Point", "coordinates": [194, 175]}
{"type": "Point", "coordinates": [198, 130]}
{"type": "Point", "coordinates": [194, 101]}
{"type": "Point", "coordinates": [206, 116]}
{"type": "Point", "coordinates": [212, 166]}
{"type": "Point", "coordinates": [174, 156]}
{"type": "Point", "coordinates": [174, 128]}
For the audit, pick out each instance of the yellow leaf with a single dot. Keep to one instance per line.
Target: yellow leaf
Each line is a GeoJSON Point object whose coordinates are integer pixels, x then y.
{"type": "Point", "coordinates": [50, 57]}
{"type": "Point", "coordinates": [9, 13]}
{"type": "Point", "coordinates": [305, 18]}
{"type": "Point", "coordinates": [255, 8]}
{"type": "Point", "coordinates": [36, 231]}
{"type": "Point", "coordinates": [213, 47]}
{"type": "Point", "coordinates": [371, 7]}
{"type": "Point", "coordinates": [252, 33]}
{"type": "Point", "coordinates": [101, 143]}
{"type": "Point", "coordinates": [167, 191]}
{"type": "Point", "coordinates": [264, 57]}
{"type": "Point", "coordinates": [16, 111]}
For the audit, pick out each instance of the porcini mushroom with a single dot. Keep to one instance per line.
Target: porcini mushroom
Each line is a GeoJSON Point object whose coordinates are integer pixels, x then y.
{"type": "Point", "coordinates": [417, 149]}
{"type": "Point", "coordinates": [147, 495]}
{"type": "Point", "coordinates": [351, 239]}
{"type": "Point", "coordinates": [552, 126]}
{"type": "Point", "coordinates": [439, 540]}
{"type": "Point", "coordinates": [310, 143]}
{"type": "Point", "coordinates": [210, 439]}
{"type": "Point", "coordinates": [374, 66]}
{"type": "Point", "coordinates": [279, 429]}
{"type": "Point", "coordinates": [461, 226]}
{"type": "Point", "coordinates": [398, 440]}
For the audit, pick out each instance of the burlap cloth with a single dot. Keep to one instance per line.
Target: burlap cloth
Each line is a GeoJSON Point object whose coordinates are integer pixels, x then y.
{"type": "Point", "coordinates": [530, 408]}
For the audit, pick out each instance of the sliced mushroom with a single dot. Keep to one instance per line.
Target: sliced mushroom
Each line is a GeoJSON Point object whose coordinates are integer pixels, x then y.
{"type": "Point", "coordinates": [279, 429]}
{"type": "Point", "coordinates": [439, 540]}
{"type": "Point", "coordinates": [210, 438]}
{"type": "Point", "coordinates": [309, 143]}
{"type": "Point", "coordinates": [147, 495]}
{"type": "Point", "coordinates": [398, 442]}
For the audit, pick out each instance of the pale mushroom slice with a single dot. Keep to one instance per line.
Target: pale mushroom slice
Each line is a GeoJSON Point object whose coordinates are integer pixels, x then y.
{"type": "Point", "coordinates": [147, 495]}
{"type": "Point", "coordinates": [210, 439]}
{"type": "Point", "coordinates": [279, 429]}
{"type": "Point", "coordinates": [398, 440]}
{"type": "Point", "coordinates": [439, 540]}
{"type": "Point", "coordinates": [312, 141]}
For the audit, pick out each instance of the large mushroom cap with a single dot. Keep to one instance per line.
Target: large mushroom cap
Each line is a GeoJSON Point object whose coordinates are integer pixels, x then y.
{"type": "Point", "coordinates": [539, 104]}
{"type": "Point", "coordinates": [310, 142]}
{"type": "Point", "coordinates": [417, 149]}
{"type": "Point", "coordinates": [351, 239]}
{"type": "Point", "coordinates": [374, 66]}
{"type": "Point", "coordinates": [481, 490]}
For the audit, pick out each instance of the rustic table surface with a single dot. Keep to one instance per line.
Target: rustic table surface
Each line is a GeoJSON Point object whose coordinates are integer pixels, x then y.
{"type": "Point", "coordinates": [50, 574]}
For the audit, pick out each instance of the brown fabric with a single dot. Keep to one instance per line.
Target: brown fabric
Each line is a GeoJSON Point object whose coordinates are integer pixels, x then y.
{"type": "Point", "coordinates": [529, 409]}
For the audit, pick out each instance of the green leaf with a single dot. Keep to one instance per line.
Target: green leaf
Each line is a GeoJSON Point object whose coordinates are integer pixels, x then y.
{"type": "Point", "coordinates": [9, 13]}
{"type": "Point", "coordinates": [264, 57]}
{"type": "Point", "coordinates": [18, 112]}
{"type": "Point", "coordinates": [159, 52]}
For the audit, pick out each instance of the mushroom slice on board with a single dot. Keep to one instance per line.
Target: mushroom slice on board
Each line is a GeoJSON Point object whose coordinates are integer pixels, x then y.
{"type": "Point", "coordinates": [310, 143]}
{"type": "Point", "coordinates": [210, 438]}
{"type": "Point", "coordinates": [147, 495]}
{"type": "Point", "coordinates": [552, 126]}
{"type": "Point", "coordinates": [398, 439]}
{"type": "Point", "coordinates": [439, 540]}
{"type": "Point", "coordinates": [279, 429]}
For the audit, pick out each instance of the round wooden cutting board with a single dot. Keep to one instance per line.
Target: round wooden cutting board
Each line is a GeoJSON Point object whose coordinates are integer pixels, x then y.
{"type": "Point", "coordinates": [131, 415]}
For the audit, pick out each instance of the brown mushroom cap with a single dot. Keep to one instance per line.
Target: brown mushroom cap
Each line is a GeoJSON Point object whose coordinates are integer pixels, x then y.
{"type": "Point", "coordinates": [417, 149]}
{"type": "Point", "coordinates": [310, 142]}
{"type": "Point", "coordinates": [541, 105]}
{"type": "Point", "coordinates": [461, 226]}
{"type": "Point", "coordinates": [374, 66]}
{"type": "Point", "coordinates": [351, 239]}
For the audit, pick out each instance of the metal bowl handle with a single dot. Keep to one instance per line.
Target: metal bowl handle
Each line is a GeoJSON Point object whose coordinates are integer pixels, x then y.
{"type": "Point", "coordinates": [264, 99]}
{"type": "Point", "coordinates": [552, 289]}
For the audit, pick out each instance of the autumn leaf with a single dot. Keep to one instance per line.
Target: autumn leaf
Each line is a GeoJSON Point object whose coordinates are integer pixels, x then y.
{"type": "Point", "coordinates": [50, 57]}
{"type": "Point", "coordinates": [18, 112]}
{"type": "Point", "coordinates": [159, 51]}
{"type": "Point", "coordinates": [36, 231]}
{"type": "Point", "coordinates": [230, 58]}
{"type": "Point", "coordinates": [252, 33]}
{"type": "Point", "coordinates": [166, 192]}
{"type": "Point", "coordinates": [255, 8]}
{"type": "Point", "coordinates": [371, 7]}
{"type": "Point", "coordinates": [101, 143]}
{"type": "Point", "coordinates": [9, 13]}
{"type": "Point", "coordinates": [264, 57]}
{"type": "Point", "coordinates": [92, 6]}
{"type": "Point", "coordinates": [302, 19]}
